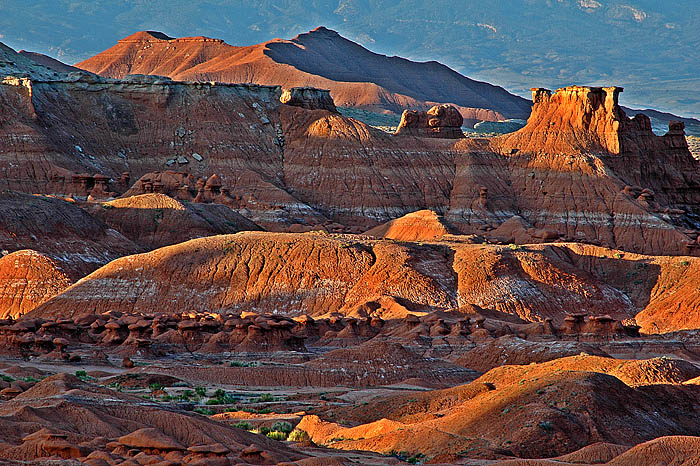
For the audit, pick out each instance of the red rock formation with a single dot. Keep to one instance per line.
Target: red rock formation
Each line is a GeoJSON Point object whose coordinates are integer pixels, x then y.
{"type": "Point", "coordinates": [309, 98]}
{"type": "Point", "coordinates": [320, 58]}
{"type": "Point", "coordinates": [316, 275]}
{"type": "Point", "coordinates": [484, 417]}
{"type": "Point", "coordinates": [288, 168]}
{"type": "Point", "coordinates": [442, 121]}
{"type": "Point", "coordinates": [423, 225]}
{"type": "Point", "coordinates": [156, 220]}
{"type": "Point", "coordinates": [27, 279]}
{"type": "Point", "coordinates": [77, 242]}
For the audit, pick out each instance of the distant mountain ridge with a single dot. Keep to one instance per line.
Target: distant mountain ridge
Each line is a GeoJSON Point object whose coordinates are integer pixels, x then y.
{"type": "Point", "coordinates": [321, 58]}
{"type": "Point", "coordinates": [648, 47]}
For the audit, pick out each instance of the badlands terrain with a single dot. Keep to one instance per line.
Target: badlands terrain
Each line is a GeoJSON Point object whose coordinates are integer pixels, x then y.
{"type": "Point", "coordinates": [198, 271]}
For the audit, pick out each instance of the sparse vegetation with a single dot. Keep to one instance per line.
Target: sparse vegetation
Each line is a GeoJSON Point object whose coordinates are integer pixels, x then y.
{"type": "Point", "coordinates": [546, 426]}
{"type": "Point", "coordinates": [243, 364]}
{"type": "Point", "coordinates": [298, 435]}
{"type": "Point", "coordinates": [242, 425]}
{"type": "Point", "coordinates": [282, 426]}
{"type": "Point", "coordinates": [82, 375]}
{"type": "Point", "coordinates": [155, 387]}
{"type": "Point", "coordinates": [204, 411]}
{"type": "Point", "coordinates": [275, 435]}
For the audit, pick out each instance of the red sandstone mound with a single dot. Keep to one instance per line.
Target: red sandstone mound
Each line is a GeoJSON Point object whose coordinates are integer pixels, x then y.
{"type": "Point", "coordinates": [90, 423]}
{"type": "Point", "coordinates": [290, 273]}
{"type": "Point", "coordinates": [156, 220]}
{"type": "Point", "coordinates": [63, 232]}
{"type": "Point", "coordinates": [539, 411]}
{"type": "Point", "coordinates": [316, 274]}
{"type": "Point", "coordinates": [321, 58]}
{"type": "Point", "coordinates": [423, 225]}
{"type": "Point", "coordinates": [677, 450]}
{"type": "Point", "coordinates": [27, 279]}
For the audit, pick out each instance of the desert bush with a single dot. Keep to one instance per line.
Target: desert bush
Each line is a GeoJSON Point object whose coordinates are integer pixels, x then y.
{"type": "Point", "coordinates": [298, 435]}
{"type": "Point", "coordinates": [242, 425]}
{"type": "Point", "coordinates": [282, 426]}
{"type": "Point", "coordinates": [276, 435]}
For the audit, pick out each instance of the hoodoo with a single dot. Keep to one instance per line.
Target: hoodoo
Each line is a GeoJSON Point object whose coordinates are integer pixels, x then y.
{"type": "Point", "coordinates": [582, 119]}
{"type": "Point", "coordinates": [309, 98]}
{"type": "Point", "coordinates": [440, 121]}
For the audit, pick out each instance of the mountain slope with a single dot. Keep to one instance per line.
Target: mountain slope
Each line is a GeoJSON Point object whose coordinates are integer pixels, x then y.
{"type": "Point", "coordinates": [320, 58]}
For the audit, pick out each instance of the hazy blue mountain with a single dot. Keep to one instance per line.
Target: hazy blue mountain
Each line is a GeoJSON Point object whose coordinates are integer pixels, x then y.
{"type": "Point", "coordinates": [648, 46]}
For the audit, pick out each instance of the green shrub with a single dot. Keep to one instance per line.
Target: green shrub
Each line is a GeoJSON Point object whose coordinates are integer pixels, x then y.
{"type": "Point", "coordinates": [6, 378]}
{"type": "Point", "coordinates": [201, 391]}
{"type": "Point", "coordinates": [80, 374]}
{"type": "Point", "coordinates": [205, 411]}
{"type": "Point", "coordinates": [155, 387]}
{"type": "Point", "coordinates": [266, 398]}
{"type": "Point", "coordinates": [298, 435]}
{"type": "Point", "coordinates": [276, 435]}
{"type": "Point", "coordinates": [546, 426]}
{"type": "Point", "coordinates": [243, 364]}
{"type": "Point", "coordinates": [242, 425]}
{"type": "Point", "coordinates": [281, 426]}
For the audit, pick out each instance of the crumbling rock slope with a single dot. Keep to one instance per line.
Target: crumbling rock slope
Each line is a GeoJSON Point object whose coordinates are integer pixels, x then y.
{"type": "Point", "coordinates": [156, 220]}
{"type": "Point", "coordinates": [531, 411]}
{"type": "Point", "coordinates": [318, 273]}
{"type": "Point", "coordinates": [27, 279]}
{"type": "Point", "coordinates": [60, 230]}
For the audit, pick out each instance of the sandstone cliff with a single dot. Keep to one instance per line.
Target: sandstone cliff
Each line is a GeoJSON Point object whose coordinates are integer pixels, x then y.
{"type": "Point", "coordinates": [579, 171]}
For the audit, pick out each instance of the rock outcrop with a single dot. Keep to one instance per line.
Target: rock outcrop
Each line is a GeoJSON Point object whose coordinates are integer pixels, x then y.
{"type": "Point", "coordinates": [156, 220]}
{"type": "Point", "coordinates": [443, 121]}
{"type": "Point", "coordinates": [309, 98]}
{"type": "Point", "coordinates": [423, 225]}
